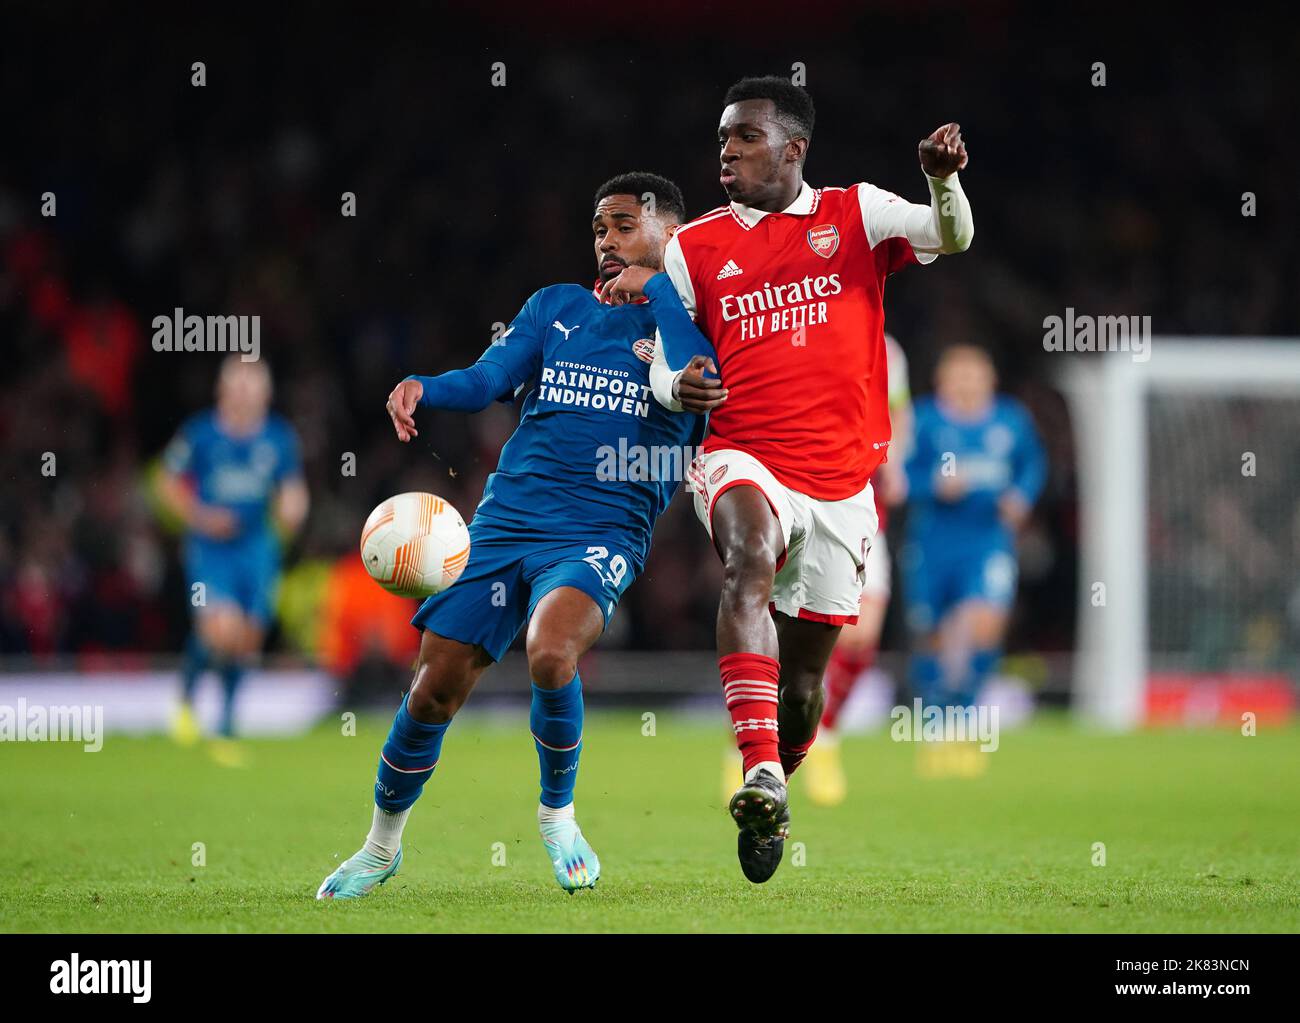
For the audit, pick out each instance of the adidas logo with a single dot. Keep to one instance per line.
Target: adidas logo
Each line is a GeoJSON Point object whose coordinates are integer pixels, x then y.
{"type": "Point", "coordinates": [730, 270]}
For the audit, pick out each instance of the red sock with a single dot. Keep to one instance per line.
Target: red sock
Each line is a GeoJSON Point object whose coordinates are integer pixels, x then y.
{"type": "Point", "coordinates": [843, 670]}
{"type": "Point", "coordinates": [792, 756]}
{"type": "Point", "coordinates": [749, 685]}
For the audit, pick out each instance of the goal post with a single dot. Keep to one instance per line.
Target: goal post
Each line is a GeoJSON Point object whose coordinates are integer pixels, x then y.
{"type": "Point", "coordinates": [1164, 446]}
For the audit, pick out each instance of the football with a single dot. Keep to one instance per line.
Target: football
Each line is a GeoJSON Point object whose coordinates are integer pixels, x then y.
{"type": "Point", "coordinates": [415, 545]}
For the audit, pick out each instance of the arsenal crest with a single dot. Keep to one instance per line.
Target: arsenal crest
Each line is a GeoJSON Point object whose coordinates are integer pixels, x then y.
{"type": "Point", "coordinates": [644, 349]}
{"type": "Point", "coordinates": [824, 239]}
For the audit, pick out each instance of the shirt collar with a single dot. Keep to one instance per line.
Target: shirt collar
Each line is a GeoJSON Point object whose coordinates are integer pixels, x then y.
{"type": "Point", "coordinates": [804, 203]}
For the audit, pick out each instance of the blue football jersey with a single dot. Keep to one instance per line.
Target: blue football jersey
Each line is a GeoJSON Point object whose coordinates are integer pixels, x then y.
{"type": "Point", "coordinates": [594, 453]}
{"type": "Point", "coordinates": [991, 455]}
{"type": "Point", "coordinates": [241, 474]}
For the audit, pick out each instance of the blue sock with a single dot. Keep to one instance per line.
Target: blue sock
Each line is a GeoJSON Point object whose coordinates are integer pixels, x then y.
{"type": "Point", "coordinates": [193, 664]}
{"type": "Point", "coordinates": [927, 680]}
{"type": "Point", "coordinates": [407, 761]}
{"type": "Point", "coordinates": [556, 724]}
{"type": "Point", "coordinates": [232, 674]}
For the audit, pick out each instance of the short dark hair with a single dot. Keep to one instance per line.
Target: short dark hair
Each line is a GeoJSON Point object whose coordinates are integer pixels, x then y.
{"type": "Point", "coordinates": [794, 107]}
{"type": "Point", "coordinates": [668, 201]}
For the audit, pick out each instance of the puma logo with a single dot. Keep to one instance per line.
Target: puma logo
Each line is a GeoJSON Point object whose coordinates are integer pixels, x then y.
{"type": "Point", "coordinates": [566, 331]}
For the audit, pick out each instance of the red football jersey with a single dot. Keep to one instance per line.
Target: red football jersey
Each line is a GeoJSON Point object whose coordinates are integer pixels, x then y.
{"type": "Point", "coordinates": [792, 303]}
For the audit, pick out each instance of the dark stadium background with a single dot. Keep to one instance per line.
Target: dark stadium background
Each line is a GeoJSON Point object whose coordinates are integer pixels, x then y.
{"type": "Point", "coordinates": [226, 199]}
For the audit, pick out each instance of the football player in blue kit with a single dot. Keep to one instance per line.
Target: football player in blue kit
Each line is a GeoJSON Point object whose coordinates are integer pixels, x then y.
{"type": "Point", "coordinates": [233, 475]}
{"type": "Point", "coordinates": [975, 470]}
{"type": "Point", "coordinates": [561, 531]}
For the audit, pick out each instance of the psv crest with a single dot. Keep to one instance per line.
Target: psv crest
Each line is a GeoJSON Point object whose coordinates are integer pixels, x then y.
{"type": "Point", "coordinates": [644, 349]}
{"type": "Point", "coordinates": [824, 239]}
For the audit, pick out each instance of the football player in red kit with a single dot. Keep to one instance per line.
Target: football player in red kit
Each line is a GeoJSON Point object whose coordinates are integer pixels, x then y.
{"type": "Point", "coordinates": [786, 281]}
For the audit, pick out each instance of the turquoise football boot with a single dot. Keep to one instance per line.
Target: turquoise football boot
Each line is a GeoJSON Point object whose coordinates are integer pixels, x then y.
{"type": "Point", "coordinates": [572, 857]}
{"type": "Point", "coordinates": [358, 875]}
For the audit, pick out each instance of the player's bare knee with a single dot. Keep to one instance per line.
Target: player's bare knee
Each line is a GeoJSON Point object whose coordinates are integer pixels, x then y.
{"type": "Point", "coordinates": [801, 691]}
{"type": "Point", "coordinates": [434, 700]}
{"type": "Point", "coordinates": [552, 665]}
{"type": "Point", "coordinates": [445, 673]}
{"type": "Point", "coordinates": [987, 627]}
{"type": "Point", "coordinates": [250, 639]}
{"type": "Point", "coordinates": [220, 635]}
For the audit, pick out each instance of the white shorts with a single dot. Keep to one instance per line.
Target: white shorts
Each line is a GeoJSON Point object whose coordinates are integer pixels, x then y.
{"type": "Point", "coordinates": [877, 576]}
{"type": "Point", "coordinates": [822, 573]}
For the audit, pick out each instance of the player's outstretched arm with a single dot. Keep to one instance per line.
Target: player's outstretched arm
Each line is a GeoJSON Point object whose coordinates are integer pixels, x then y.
{"type": "Point", "coordinates": [943, 152]}
{"type": "Point", "coordinates": [947, 225]}
{"type": "Point", "coordinates": [461, 390]}
{"type": "Point", "coordinates": [510, 361]}
{"type": "Point", "coordinates": [942, 155]}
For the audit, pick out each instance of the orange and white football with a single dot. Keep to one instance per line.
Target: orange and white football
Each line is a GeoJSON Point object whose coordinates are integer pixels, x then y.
{"type": "Point", "coordinates": [415, 545]}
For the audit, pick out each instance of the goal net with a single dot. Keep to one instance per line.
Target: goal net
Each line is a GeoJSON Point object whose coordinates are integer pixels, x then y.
{"type": "Point", "coordinates": [1189, 503]}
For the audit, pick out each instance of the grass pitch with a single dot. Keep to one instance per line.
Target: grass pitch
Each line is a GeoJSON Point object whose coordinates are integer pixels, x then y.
{"type": "Point", "coordinates": [1201, 832]}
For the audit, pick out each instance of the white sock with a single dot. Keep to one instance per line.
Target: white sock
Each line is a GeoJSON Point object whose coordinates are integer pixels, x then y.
{"type": "Point", "coordinates": [549, 814]}
{"type": "Point", "coordinates": [385, 836]}
{"type": "Point", "coordinates": [774, 766]}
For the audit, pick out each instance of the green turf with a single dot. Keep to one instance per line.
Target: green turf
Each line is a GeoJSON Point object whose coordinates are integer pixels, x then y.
{"type": "Point", "coordinates": [1202, 833]}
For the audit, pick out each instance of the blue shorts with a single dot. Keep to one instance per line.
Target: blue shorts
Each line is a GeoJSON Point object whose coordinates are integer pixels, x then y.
{"type": "Point", "coordinates": [244, 574]}
{"type": "Point", "coordinates": [939, 575]}
{"type": "Point", "coordinates": [508, 573]}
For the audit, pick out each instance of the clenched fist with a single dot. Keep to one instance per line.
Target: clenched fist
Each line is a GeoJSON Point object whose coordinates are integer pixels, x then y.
{"type": "Point", "coordinates": [943, 152]}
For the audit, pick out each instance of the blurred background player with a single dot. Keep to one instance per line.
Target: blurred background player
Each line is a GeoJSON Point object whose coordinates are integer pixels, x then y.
{"type": "Point", "coordinates": [855, 650]}
{"type": "Point", "coordinates": [975, 470]}
{"type": "Point", "coordinates": [233, 476]}
{"type": "Point", "coordinates": [554, 543]}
